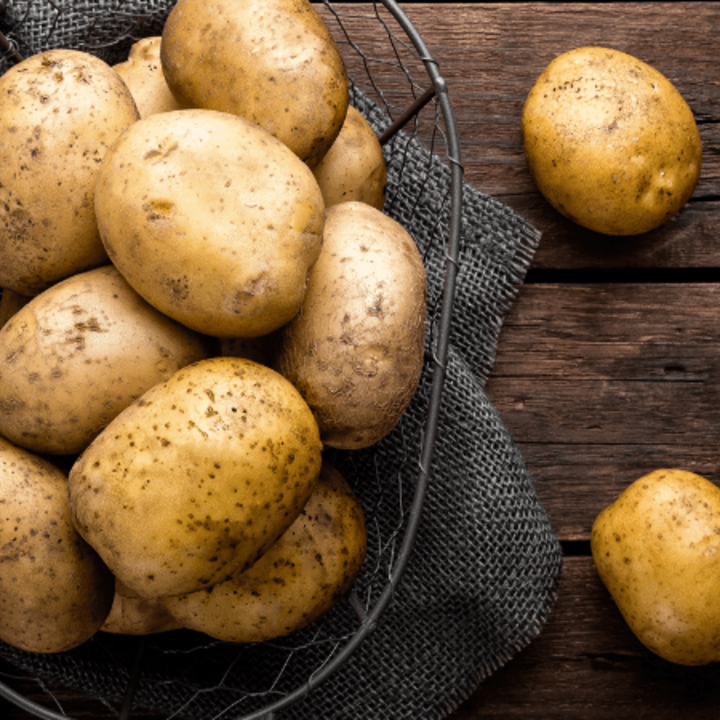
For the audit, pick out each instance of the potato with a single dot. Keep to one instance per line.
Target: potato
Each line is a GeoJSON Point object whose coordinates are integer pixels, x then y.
{"type": "Point", "coordinates": [60, 111]}
{"type": "Point", "coordinates": [55, 592]}
{"type": "Point", "coordinates": [213, 221]}
{"type": "Point", "coordinates": [273, 62]}
{"type": "Point", "coordinates": [610, 141]}
{"type": "Point", "coordinates": [132, 615]}
{"type": "Point", "coordinates": [354, 168]}
{"type": "Point", "coordinates": [10, 303]}
{"type": "Point", "coordinates": [77, 354]}
{"type": "Point", "coordinates": [355, 350]}
{"type": "Point", "coordinates": [142, 73]}
{"type": "Point", "coordinates": [302, 576]}
{"type": "Point", "coordinates": [657, 550]}
{"type": "Point", "coordinates": [198, 477]}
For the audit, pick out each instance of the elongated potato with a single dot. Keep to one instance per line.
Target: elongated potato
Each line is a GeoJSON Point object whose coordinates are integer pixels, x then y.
{"type": "Point", "coordinates": [355, 350]}
{"type": "Point", "coordinates": [302, 576]}
{"type": "Point", "coordinates": [55, 592]}
{"type": "Point", "coordinates": [77, 354]}
{"type": "Point", "coordinates": [198, 477]}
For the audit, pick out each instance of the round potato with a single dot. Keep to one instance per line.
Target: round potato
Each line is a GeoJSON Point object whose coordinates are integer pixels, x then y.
{"type": "Point", "coordinates": [60, 111]}
{"type": "Point", "coordinates": [273, 62]}
{"type": "Point", "coordinates": [77, 354]}
{"type": "Point", "coordinates": [211, 219]}
{"type": "Point", "coordinates": [354, 167]}
{"type": "Point", "coordinates": [142, 73]}
{"type": "Point", "coordinates": [55, 592]}
{"type": "Point", "coordinates": [198, 477]}
{"type": "Point", "coordinates": [355, 350]}
{"type": "Point", "coordinates": [132, 615]}
{"type": "Point", "coordinates": [610, 141]}
{"type": "Point", "coordinates": [302, 576]}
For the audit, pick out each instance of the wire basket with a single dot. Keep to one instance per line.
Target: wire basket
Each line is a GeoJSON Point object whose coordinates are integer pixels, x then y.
{"type": "Point", "coordinates": [397, 85]}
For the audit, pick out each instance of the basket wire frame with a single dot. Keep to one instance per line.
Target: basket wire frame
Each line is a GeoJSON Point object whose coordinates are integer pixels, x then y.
{"type": "Point", "coordinates": [369, 610]}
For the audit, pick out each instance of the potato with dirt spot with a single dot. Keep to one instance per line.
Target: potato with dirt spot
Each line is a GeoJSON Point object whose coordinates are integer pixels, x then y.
{"type": "Point", "coordinates": [77, 354]}
{"type": "Point", "coordinates": [610, 141]}
{"type": "Point", "coordinates": [211, 219]}
{"type": "Point", "coordinates": [198, 477]}
{"type": "Point", "coordinates": [355, 350]}
{"type": "Point", "coordinates": [131, 614]}
{"type": "Point", "coordinates": [59, 112]}
{"type": "Point", "coordinates": [354, 168]}
{"type": "Point", "coordinates": [300, 578]}
{"type": "Point", "coordinates": [142, 73]}
{"type": "Point", "coordinates": [55, 592]}
{"type": "Point", "coordinates": [273, 62]}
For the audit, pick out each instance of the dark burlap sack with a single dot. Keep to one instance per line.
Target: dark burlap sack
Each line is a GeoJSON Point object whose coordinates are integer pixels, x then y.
{"type": "Point", "coordinates": [483, 571]}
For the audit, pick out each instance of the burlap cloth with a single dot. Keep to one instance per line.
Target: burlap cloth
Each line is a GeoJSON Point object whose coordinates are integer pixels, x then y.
{"type": "Point", "coordinates": [483, 571]}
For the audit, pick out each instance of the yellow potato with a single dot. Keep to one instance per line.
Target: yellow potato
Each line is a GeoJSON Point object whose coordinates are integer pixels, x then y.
{"type": "Point", "coordinates": [142, 73]}
{"type": "Point", "coordinates": [213, 221]}
{"type": "Point", "coordinates": [355, 350]}
{"type": "Point", "coordinates": [198, 477]}
{"type": "Point", "coordinates": [354, 167]}
{"type": "Point", "coordinates": [131, 614]}
{"type": "Point", "coordinates": [60, 112]}
{"type": "Point", "coordinates": [77, 354]}
{"type": "Point", "coordinates": [657, 549]}
{"type": "Point", "coordinates": [610, 141]}
{"type": "Point", "coordinates": [302, 576]}
{"type": "Point", "coordinates": [273, 62]}
{"type": "Point", "coordinates": [10, 303]}
{"type": "Point", "coordinates": [55, 592]}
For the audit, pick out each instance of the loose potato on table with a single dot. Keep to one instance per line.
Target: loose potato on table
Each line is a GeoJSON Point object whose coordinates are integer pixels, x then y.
{"type": "Point", "coordinates": [142, 73]}
{"type": "Point", "coordinates": [273, 62]}
{"type": "Point", "coordinates": [77, 354]}
{"type": "Point", "coordinates": [302, 576]}
{"type": "Point", "coordinates": [211, 219]}
{"type": "Point", "coordinates": [355, 350]}
{"type": "Point", "coordinates": [610, 141]}
{"type": "Point", "coordinates": [55, 592]}
{"type": "Point", "coordinates": [197, 478]}
{"type": "Point", "coordinates": [60, 111]}
{"type": "Point", "coordinates": [354, 167]}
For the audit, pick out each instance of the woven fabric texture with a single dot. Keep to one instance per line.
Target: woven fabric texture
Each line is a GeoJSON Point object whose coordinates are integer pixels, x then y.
{"type": "Point", "coordinates": [483, 571]}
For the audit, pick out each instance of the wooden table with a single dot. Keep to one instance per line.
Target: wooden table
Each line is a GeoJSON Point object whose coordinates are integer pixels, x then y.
{"type": "Point", "coordinates": [608, 364]}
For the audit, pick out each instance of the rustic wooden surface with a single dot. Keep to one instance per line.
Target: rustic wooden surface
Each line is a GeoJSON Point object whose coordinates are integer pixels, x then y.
{"type": "Point", "coordinates": [608, 362]}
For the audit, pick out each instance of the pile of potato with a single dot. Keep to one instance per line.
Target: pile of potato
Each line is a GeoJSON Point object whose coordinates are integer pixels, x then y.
{"type": "Point", "coordinates": [201, 293]}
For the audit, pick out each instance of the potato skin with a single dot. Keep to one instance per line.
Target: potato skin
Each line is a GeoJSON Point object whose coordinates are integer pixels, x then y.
{"type": "Point", "coordinates": [610, 141]}
{"type": "Point", "coordinates": [55, 592]}
{"type": "Point", "coordinates": [60, 111]}
{"type": "Point", "coordinates": [273, 62]}
{"type": "Point", "coordinates": [77, 354]}
{"type": "Point", "coordinates": [657, 550]}
{"type": "Point", "coordinates": [300, 578]}
{"type": "Point", "coordinates": [142, 73]}
{"type": "Point", "coordinates": [355, 350]}
{"type": "Point", "coordinates": [198, 477]}
{"type": "Point", "coordinates": [213, 221]}
{"type": "Point", "coordinates": [354, 167]}
{"type": "Point", "coordinates": [10, 303]}
{"type": "Point", "coordinates": [131, 614]}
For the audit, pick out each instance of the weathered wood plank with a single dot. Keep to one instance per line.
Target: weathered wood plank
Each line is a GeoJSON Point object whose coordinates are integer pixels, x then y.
{"type": "Point", "coordinates": [592, 667]}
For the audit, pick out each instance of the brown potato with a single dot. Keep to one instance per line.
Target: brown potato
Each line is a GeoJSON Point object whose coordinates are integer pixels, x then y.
{"type": "Point", "coordinates": [211, 219]}
{"type": "Point", "coordinates": [10, 303]}
{"type": "Point", "coordinates": [131, 614]}
{"type": "Point", "coordinates": [198, 477]}
{"type": "Point", "coordinates": [610, 141]}
{"type": "Point", "coordinates": [60, 111]}
{"type": "Point", "coordinates": [77, 354]}
{"type": "Point", "coordinates": [55, 592]}
{"type": "Point", "coordinates": [273, 62]}
{"type": "Point", "coordinates": [142, 73]}
{"type": "Point", "coordinates": [354, 167]}
{"type": "Point", "coordinates": [355, 350]}
{"type": "Point", "coordinates": [302, 576]}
